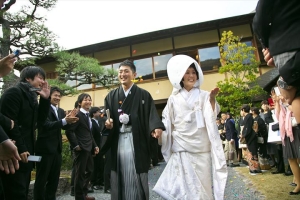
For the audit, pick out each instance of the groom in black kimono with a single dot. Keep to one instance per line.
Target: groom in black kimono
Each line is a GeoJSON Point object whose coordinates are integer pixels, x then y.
{"type": "Point", "coordinates": [133, 120]}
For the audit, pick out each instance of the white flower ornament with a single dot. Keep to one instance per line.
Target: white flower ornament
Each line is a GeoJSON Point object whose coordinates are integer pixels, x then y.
{"type": "Point", "coordinates": [124, 119]}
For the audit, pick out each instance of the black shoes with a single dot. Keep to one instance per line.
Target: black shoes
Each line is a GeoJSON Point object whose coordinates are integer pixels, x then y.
{"type": "Point", "coordinates": [234, 165]}
{"type": "Point", "coordinates": [254, 172]}
{"type": "Point", "coordinates": [294, 193]}
{"type": "Point", "coordinates": [107, 191]}
{"type": "Point", "coordinates": [293, 184]}
{"type": "Point", "coordinates": [97, 187]}
{"type": "Point", "coordinates": [72, 193]}
{"type": "Point", "coordinates": [90, 190]}
{"type": "Point", "coordinates": [288, 173]}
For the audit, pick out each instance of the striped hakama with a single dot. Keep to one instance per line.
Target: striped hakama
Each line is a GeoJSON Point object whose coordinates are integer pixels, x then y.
{"type": "Point", "coordinates": [126, 184]}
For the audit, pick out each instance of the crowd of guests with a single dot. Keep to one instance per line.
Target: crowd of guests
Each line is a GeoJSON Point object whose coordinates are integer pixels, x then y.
{"type": "Point", "coordinates": [247, 138]}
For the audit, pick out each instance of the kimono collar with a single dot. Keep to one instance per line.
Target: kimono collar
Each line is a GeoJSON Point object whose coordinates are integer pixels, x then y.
{"type": "Point", "coordinates": [176, 69]}
{"type": "Point", "coordinates": [127, 92]}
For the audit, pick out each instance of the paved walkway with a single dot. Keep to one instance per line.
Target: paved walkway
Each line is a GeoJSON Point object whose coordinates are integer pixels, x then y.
{"type": "Point", "coordinates": [237, 187]}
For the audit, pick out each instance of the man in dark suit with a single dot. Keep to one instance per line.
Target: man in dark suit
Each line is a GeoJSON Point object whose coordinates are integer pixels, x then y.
{"type": "Point", "coordinates": [106, 157]}
{"type": "Point", "coordinates": [97, 177]}
{"type": "Point", "coordinates": [230, 141]}
{"type": "Point", "coordinates": [49, 146]}
{"type": "Point", "coordinates": [20, 104]}
{"type": "Point", "coordinates": [82, 142]}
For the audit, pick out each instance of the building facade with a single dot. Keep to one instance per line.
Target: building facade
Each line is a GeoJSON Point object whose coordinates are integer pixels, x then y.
{"type": "Point", "coordinates": [151, 52]}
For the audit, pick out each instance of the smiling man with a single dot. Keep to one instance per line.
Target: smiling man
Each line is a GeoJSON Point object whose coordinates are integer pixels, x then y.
{"type": "Point", "coordinates": [81, 139]}
{"type": "Point", "coordinates": [49, 146]}
{"type": "Point", "coordinates": [20, 104]}
{"type": "Point", "coordinates": [134, 120]}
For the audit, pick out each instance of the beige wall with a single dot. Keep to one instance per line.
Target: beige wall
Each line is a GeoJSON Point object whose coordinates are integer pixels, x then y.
{"type": "Point", "coordinates": [194, 39]}
{"type": "Point", "coordinates": [241, 31]}
{"type": "Point", "coordinates": [159, 90]}
{"type": "Point", "coordinates": [152, 47]}
{"type": "Point", "coordinates": [113, 54]}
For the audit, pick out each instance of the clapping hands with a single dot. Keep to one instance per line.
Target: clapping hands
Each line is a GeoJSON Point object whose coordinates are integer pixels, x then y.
{"type": "Point", "coordinates": [71, 116]}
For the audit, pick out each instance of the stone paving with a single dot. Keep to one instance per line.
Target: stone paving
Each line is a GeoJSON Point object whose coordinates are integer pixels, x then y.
{"type": "Point", "coordinates": [237, 187]}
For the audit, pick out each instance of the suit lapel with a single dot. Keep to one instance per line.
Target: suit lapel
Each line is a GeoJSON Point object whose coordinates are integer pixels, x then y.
{"type": "Point", "coordinates": [53, 113]}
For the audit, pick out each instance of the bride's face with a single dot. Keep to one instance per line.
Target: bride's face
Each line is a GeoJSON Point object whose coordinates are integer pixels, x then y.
{"type": "Point", "coordinates": [189, 78]}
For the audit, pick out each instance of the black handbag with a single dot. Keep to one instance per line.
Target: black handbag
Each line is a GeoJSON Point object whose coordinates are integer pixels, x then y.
{"type": "Point", "coordinates": [275, 127]}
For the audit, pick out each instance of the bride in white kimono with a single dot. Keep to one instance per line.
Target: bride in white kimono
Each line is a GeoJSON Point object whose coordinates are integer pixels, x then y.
{"type": "Point", "coordinates": [191, 144]}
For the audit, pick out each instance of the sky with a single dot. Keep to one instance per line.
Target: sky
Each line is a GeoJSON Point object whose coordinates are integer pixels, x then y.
{"type": "Point", "coordinates": [79, 23]}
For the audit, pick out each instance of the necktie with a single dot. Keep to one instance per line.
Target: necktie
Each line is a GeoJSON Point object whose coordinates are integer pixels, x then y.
{"type": "Point", "coordinates": [88, 118]}
{"type": "Point", "coordinates": [55, 110]}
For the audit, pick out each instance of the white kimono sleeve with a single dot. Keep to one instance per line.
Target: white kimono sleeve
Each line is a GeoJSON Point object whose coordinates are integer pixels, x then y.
{"type": "Point", "coordinates": [166, 139]}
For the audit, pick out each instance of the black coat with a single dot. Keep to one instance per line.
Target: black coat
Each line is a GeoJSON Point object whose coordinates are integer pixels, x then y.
{"type": "Point", "coordinates": [80, 134]}
{"type": "Point", "coordinates": [49, 139]}
{"type": "Point", "coordinates": [248, 132]}
{"type": "Point", "coordinates": [143, 118]}
{"type": "Point", "coordinates": [231, 132]}
{"type": "Point", "coordinates": [17, 104]}
{"type": "Point", "coordinates": [277, 25]}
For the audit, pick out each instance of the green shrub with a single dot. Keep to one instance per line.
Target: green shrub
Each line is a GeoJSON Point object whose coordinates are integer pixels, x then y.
{"type": "Point", "coordinates": [67, 160]}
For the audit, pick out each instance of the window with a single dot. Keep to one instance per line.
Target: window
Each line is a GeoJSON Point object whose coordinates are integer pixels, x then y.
{"type": "Point", "coordinates": [108, 80]}
{"type": "Point", "coordinates": [160, 65]}
{"type": "Point", "coordinates": [83, 86]}
{"type": "Point", "coordinates": [107, 66]}
{"type": "Point", "coordinates": [249, 53]}
{"type": "Point", "coordinates": [144, 68]}
{"type": "Point", "coordinates": [116, 66]}
{"type": "Point", "coordinates": [209, 58]}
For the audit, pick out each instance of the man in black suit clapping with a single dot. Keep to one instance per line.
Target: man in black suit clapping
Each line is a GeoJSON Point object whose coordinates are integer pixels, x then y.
{"type": "Point", "coordinates": [49, 146]}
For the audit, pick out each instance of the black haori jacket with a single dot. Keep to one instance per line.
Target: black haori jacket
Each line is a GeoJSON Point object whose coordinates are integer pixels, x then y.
{"type": "Point", "coordinates": [139, 105]}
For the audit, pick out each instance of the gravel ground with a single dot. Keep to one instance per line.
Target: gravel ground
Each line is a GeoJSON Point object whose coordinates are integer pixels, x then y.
{"type": "Point", "coordinates": [237, 187]}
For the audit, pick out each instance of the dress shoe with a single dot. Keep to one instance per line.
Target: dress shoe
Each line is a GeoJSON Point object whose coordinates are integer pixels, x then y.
{"type": "Point", "coordinates": [277, 172]}
{"type": "Point", "coordinates": [234, 165]}
{"type": "Point", "coordinates": [294, 193]}
{"type": "Point", "coordinates": [288, 173]}
{"type": "Point", "coordinates": [89, 198]}
{"type": "Point", "coordinates": [254, 172]}
{"type": "Point", "coordinates": [107, 191]}
{"type": "Point", "coordinates": [273, 166]}
{"type": "Point", "coordinates": [97, 187]}
{"type": "Point", "coordinates": [90, 190]}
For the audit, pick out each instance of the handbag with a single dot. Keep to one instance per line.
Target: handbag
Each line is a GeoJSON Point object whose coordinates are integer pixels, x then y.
{"type": "Point", "coordinates": [242, 145]}
{"type": "Point", "coordinates": [230, 153]}
{"type": "Point", "coordinates": [242, 141]}
{"type": "Point", "coordinates": [275, 126]}
{"type": "Point", "coordinates": [274, 136]}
